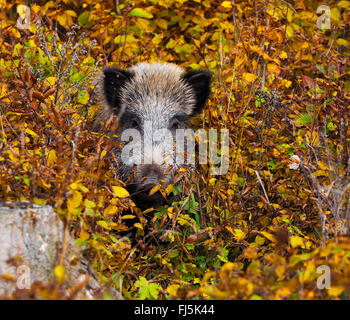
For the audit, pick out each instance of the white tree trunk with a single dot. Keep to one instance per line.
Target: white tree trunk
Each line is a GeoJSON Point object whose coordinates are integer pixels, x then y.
{"type": "Point", "coordinates": [31, 246]}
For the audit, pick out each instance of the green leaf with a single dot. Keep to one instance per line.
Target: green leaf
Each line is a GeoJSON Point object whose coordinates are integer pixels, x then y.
{"type": "Point", "coordinates": [83, 97]}
{"type": "Point", "coordinates": [103, 224]}
{"type": "Point", "coordinates": [344, 4]}
{"type": "Point", "coordinates": [303, 119]}
{"type": "Point", "coordinates": [140, 13]}
{"type": "Point", "coordinates": [26, 181]}
{"type": "Point", "coordinates": [83, 18]}
{"type": "Point", "coordinates": [153, 290]}
{"type": "Point", "coordinates": [331, 126]}
{"type": "Point", "coordinates": [272, 164]}
{"type": "Point", "coordinates": [320, 68]}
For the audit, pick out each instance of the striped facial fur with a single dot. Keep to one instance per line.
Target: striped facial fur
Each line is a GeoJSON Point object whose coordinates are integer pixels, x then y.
{"type": "Point", "coordinates": [154, 100]}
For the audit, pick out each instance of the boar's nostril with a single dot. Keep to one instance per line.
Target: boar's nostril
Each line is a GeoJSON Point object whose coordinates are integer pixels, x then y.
{"type": "Point", "coordinates": [151, 175]}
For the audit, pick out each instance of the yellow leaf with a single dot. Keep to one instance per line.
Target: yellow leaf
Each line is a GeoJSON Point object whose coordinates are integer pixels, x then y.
{"type": "Point", "coordinates": [43, 184]}
{"type": "Point", "coordinates": [120, 192]}
{"type": "Point", "coordinates": [128, 216]}
{"type": "Point", "coordinates": [110, 210]}
{"type": "Point", "coordinates": [212, 181]}
{"type": "Point", "coordinates": [51, 158]}
{"type": "Point", "coordinates": [157, 39]}
{"type": "Point", "coordinates": [139, 12]}
{"type": "Point", "coordinates": [148, 210]}
{"type": "Point", "coordinates": [283, 293]}
{"type": "Point", "coordinates": [335, 291]}
{"type": "Point", "coordinates": [17, 50]}
{"type": "Point", "coordinates": [35, 8]}
{"type": "Point", "coordinates": [50, 81]}
{"type": "Point", "coordinates": [259, 240]}
{"type": "Point", "coordinates": [154, 189]}
{"type": "Point", "coordinates": [251, 253]}
{"type": "Point", "coordinates": [322, 165]}
{"type": "Point", "coordinates": [335, 14]}
{"type": "Point", "coordinates": [48, 5]}
{"type": "Point", "coordinates": [239, 61]}
{"type": "Point", "coordinates": [228, 266]}
{"type": "Point", "coordinates": [103, 153]}
{"type": "Point", "coordinates": [59, 273]}
{"type": "Point", "coordinates": [71, 13]}
{"type": "Point", "coordinates": [280, 269]}
{"type": "Point", "coordinates": [83, 97]}
{"type": "Point", "coordinates": [31, 132]}
{"type": "Point", "coordinates": [172, 289]}
{"type": "Point", "coordinates": [104, 224]}
{"type": "Point", "coordinates": [226, 4]}
{"type": "Point", "coordinates": [162, 24]}
{"type": "Point", "coordinates": [170, 212]}
{"type": "Point", "coordinates": [38, 201]}
{"type": "Point", "coordinates": [344, 4]}
{"type": "Point", "coordinates": [4, 92]}
{"type": "Point", "coordinates": [296, 241]}
{"type": "Point", "coordinates": [289, 31]}
{"type": "Point", "coordinates": [74, 185]}
{"type": "Point", "coordinates": [286, 83]}
{"type": "Point", "coordinates": [229, 229]}
{"type": "Point", "coordinates": [89, 204]}
{"type": "Point", "coordinates": [62, 19]}
{"type": "Point", "coordinates": [269, 236]}
{"type": "Point", "coordinates": [273, 68]}
{"type": "Point", "coordinates": [249, 77]}
{"type": "Point", "coordinates": [16, 33]}
{"type": "Point", "coordinates": [84, 235]}
{"type": "Point", "coordinates": [138, 225]}
{"type": "Point", "coordinates": [309, 274]}
{"type": "Point", "coordinates": [169, 188]}
{"type": "Point", "coordinates": [92, 111]}
{"type": "Point", "coordinates": [82, 188]}
{"type": "Point", "coordinates": [237, 233]}
{"type": "Point", "coordinates": [342, 42]}
{"type": "Point", "coordinates": [74, 201]}
{"type": "Point", "coordinates": [283, 55]}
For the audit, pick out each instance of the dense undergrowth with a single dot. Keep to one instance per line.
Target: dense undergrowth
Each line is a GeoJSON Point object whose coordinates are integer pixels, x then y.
{"type": "Point", "coordinates": [281, 86]}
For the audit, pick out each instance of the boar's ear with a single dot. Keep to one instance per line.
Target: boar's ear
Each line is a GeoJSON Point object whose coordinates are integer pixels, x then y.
{"type": "Point", "coordinates": [113, 80]}
{"type": "Point", "coordinates": [200, 82]}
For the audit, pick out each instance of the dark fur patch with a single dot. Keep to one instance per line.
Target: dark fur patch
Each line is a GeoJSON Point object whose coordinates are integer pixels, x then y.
{"type": "Point", "coordinates": [179, 121]}
{"type": "Point", "coordinates": [200, 82]}
{"type": "Point", "coordinates": [130, 120]}
{"type": "Point", "coordinates": [114, 80]}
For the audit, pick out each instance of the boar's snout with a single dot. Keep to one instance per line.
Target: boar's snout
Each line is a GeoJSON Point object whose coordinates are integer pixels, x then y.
{"type": "Point", "coordinates": [151, 175]}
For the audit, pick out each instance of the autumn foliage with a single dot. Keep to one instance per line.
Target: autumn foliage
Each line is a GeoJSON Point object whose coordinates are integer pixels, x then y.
{"type": "Point", "coordinates": [282, 88]}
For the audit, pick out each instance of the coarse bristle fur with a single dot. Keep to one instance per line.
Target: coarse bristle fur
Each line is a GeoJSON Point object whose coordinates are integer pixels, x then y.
{"type": "Point", "coordinates": [149, 98]}
{"type": "Point", "coordinates": [159, 84]}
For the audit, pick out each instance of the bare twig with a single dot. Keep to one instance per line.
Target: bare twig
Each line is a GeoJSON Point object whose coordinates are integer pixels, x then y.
{"type": "Point", "coordinates": [262, 185]}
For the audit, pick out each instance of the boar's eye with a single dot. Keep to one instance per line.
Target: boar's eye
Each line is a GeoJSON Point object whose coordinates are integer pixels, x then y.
{"type": "Point", "coordinates": [179, 121]}
{"type": "Point", "coordinates": [174, 124]}
{"type": "Point", "coordinates": [130, 120]}
{"type": "Point", "coordinates": [134, 123]}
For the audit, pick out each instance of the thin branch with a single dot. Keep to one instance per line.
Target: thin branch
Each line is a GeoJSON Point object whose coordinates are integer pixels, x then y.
{"type": "Point", "coordinates": [262, 185]}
